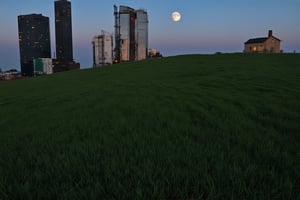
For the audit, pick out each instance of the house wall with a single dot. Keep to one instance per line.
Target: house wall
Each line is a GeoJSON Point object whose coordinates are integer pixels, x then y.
{"type": "Point", "coordinates": [255, 47]}
{"type": "Point", "coordinates": [271, 45]}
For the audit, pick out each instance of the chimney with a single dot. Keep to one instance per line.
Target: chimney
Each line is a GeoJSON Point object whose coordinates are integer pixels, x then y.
{"type": "Point", "coordinates": [270, 33]}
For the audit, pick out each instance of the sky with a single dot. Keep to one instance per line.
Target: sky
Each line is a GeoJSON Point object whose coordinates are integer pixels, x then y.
{"type": "Point", "coordinates": [206, 26]}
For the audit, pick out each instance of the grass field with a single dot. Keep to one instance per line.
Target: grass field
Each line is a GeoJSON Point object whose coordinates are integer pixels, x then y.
{"type": "Point", "coordinates": [186, 127]}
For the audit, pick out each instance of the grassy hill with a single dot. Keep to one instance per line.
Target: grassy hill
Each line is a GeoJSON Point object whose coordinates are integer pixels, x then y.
{"type": "Point", "coordinates": [186, 127]}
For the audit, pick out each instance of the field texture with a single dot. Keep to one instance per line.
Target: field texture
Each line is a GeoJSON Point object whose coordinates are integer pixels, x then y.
{"type": "Point", "coordinates": [187, 127]}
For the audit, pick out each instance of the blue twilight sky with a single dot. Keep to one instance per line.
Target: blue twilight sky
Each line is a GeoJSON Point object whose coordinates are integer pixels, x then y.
{"type": "Point", "coordinates": [207, 26]}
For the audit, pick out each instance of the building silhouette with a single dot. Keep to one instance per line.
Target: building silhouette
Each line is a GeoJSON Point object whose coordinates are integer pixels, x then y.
{"type": "Point", "coordinates": [131, 34]}
{"type": "Point", "coordinates": [63, 35]}
{"type": "Point", "coordinates": [34, 40]}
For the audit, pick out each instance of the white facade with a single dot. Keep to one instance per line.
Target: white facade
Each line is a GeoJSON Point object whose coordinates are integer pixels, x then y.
{"type": "Point", "coordinates": [124, 36]}
{"type": "Point", "coordinates": [102, 50]}
{"type": "Point", "coordinates": [43, 66]}
{"type": "Point", "coordinates": [124, 49]}
{"type": "Point", "coordinates": [126, 19]}
{"type": "Point", "coordinates": [141, 34]}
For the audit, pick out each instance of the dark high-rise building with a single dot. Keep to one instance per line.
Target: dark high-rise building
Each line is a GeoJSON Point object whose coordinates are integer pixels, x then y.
{"type": "Point", "coordinates": [63, 35]}
{"type": "Point", "coordinates": [34, 40]}
{"type": "Point", "coordinates": [63, 30]}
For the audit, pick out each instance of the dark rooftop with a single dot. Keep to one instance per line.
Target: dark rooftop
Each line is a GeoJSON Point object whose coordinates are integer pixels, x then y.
{"type": "Point", "coordinates": [256, 40]}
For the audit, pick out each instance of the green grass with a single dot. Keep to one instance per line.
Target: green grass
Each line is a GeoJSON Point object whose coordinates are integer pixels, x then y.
{"type": "Point", "coordinates": [187, 127]}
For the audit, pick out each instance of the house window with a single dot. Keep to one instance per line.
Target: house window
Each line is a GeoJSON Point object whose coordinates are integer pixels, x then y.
{"type": "Point", "coordinates": [254, 48]}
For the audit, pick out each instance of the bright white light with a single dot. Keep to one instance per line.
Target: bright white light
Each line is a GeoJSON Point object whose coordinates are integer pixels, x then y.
{"type": "Point", "coordinates": [176, 16]}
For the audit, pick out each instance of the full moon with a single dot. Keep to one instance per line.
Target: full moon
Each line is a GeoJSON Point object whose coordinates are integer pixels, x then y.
{"type": "Point", "coordinates": [176, 16]}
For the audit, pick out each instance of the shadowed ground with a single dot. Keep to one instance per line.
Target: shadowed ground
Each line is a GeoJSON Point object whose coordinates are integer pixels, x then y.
{"type": "Point", "coordinates": [187, 127]}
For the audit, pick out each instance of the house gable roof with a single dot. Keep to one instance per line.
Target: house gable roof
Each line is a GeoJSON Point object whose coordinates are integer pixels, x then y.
{"type": "Point", "coordinates": [256, 40]}
{"type": "Point", "coordinates": [259, 40]}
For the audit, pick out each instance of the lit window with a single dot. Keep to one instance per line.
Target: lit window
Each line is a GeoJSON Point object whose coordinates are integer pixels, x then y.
{"type": "Point", "coordinates": [254, 48]}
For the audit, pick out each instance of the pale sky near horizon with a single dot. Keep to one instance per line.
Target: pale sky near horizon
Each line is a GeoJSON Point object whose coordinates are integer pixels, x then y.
{"type": "Point", "coordinates": [207, 26]}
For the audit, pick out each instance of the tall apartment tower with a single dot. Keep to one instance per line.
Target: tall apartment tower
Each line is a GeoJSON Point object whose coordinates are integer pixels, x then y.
{"type": "Point", "coordinates": [131, 34]}
{"type": "Point", "coordinates": [63, 30]}
{"type": "Point", "coordinates": [102, 50]}
{"type": "Point", "coordinates": [141, 34]}
{"type": "Point", "coordinates": [34, 40]}
{"type": "Point", "coordinates": [63, 35]}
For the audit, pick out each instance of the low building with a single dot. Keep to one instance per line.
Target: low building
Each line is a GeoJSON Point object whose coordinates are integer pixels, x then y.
{"type": "Point", "coordinates": [61, 66]}
{"type": "Point", "coordinates": [12, 74]}
{"type": "Point", "coordinates": [43, 66]}
{"type": "Point", "coordinates": [102, 50]}
{"type": "Point", "coordinates": [153, 53]}
{"type": "Point", "coordinates": [268, 44]}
